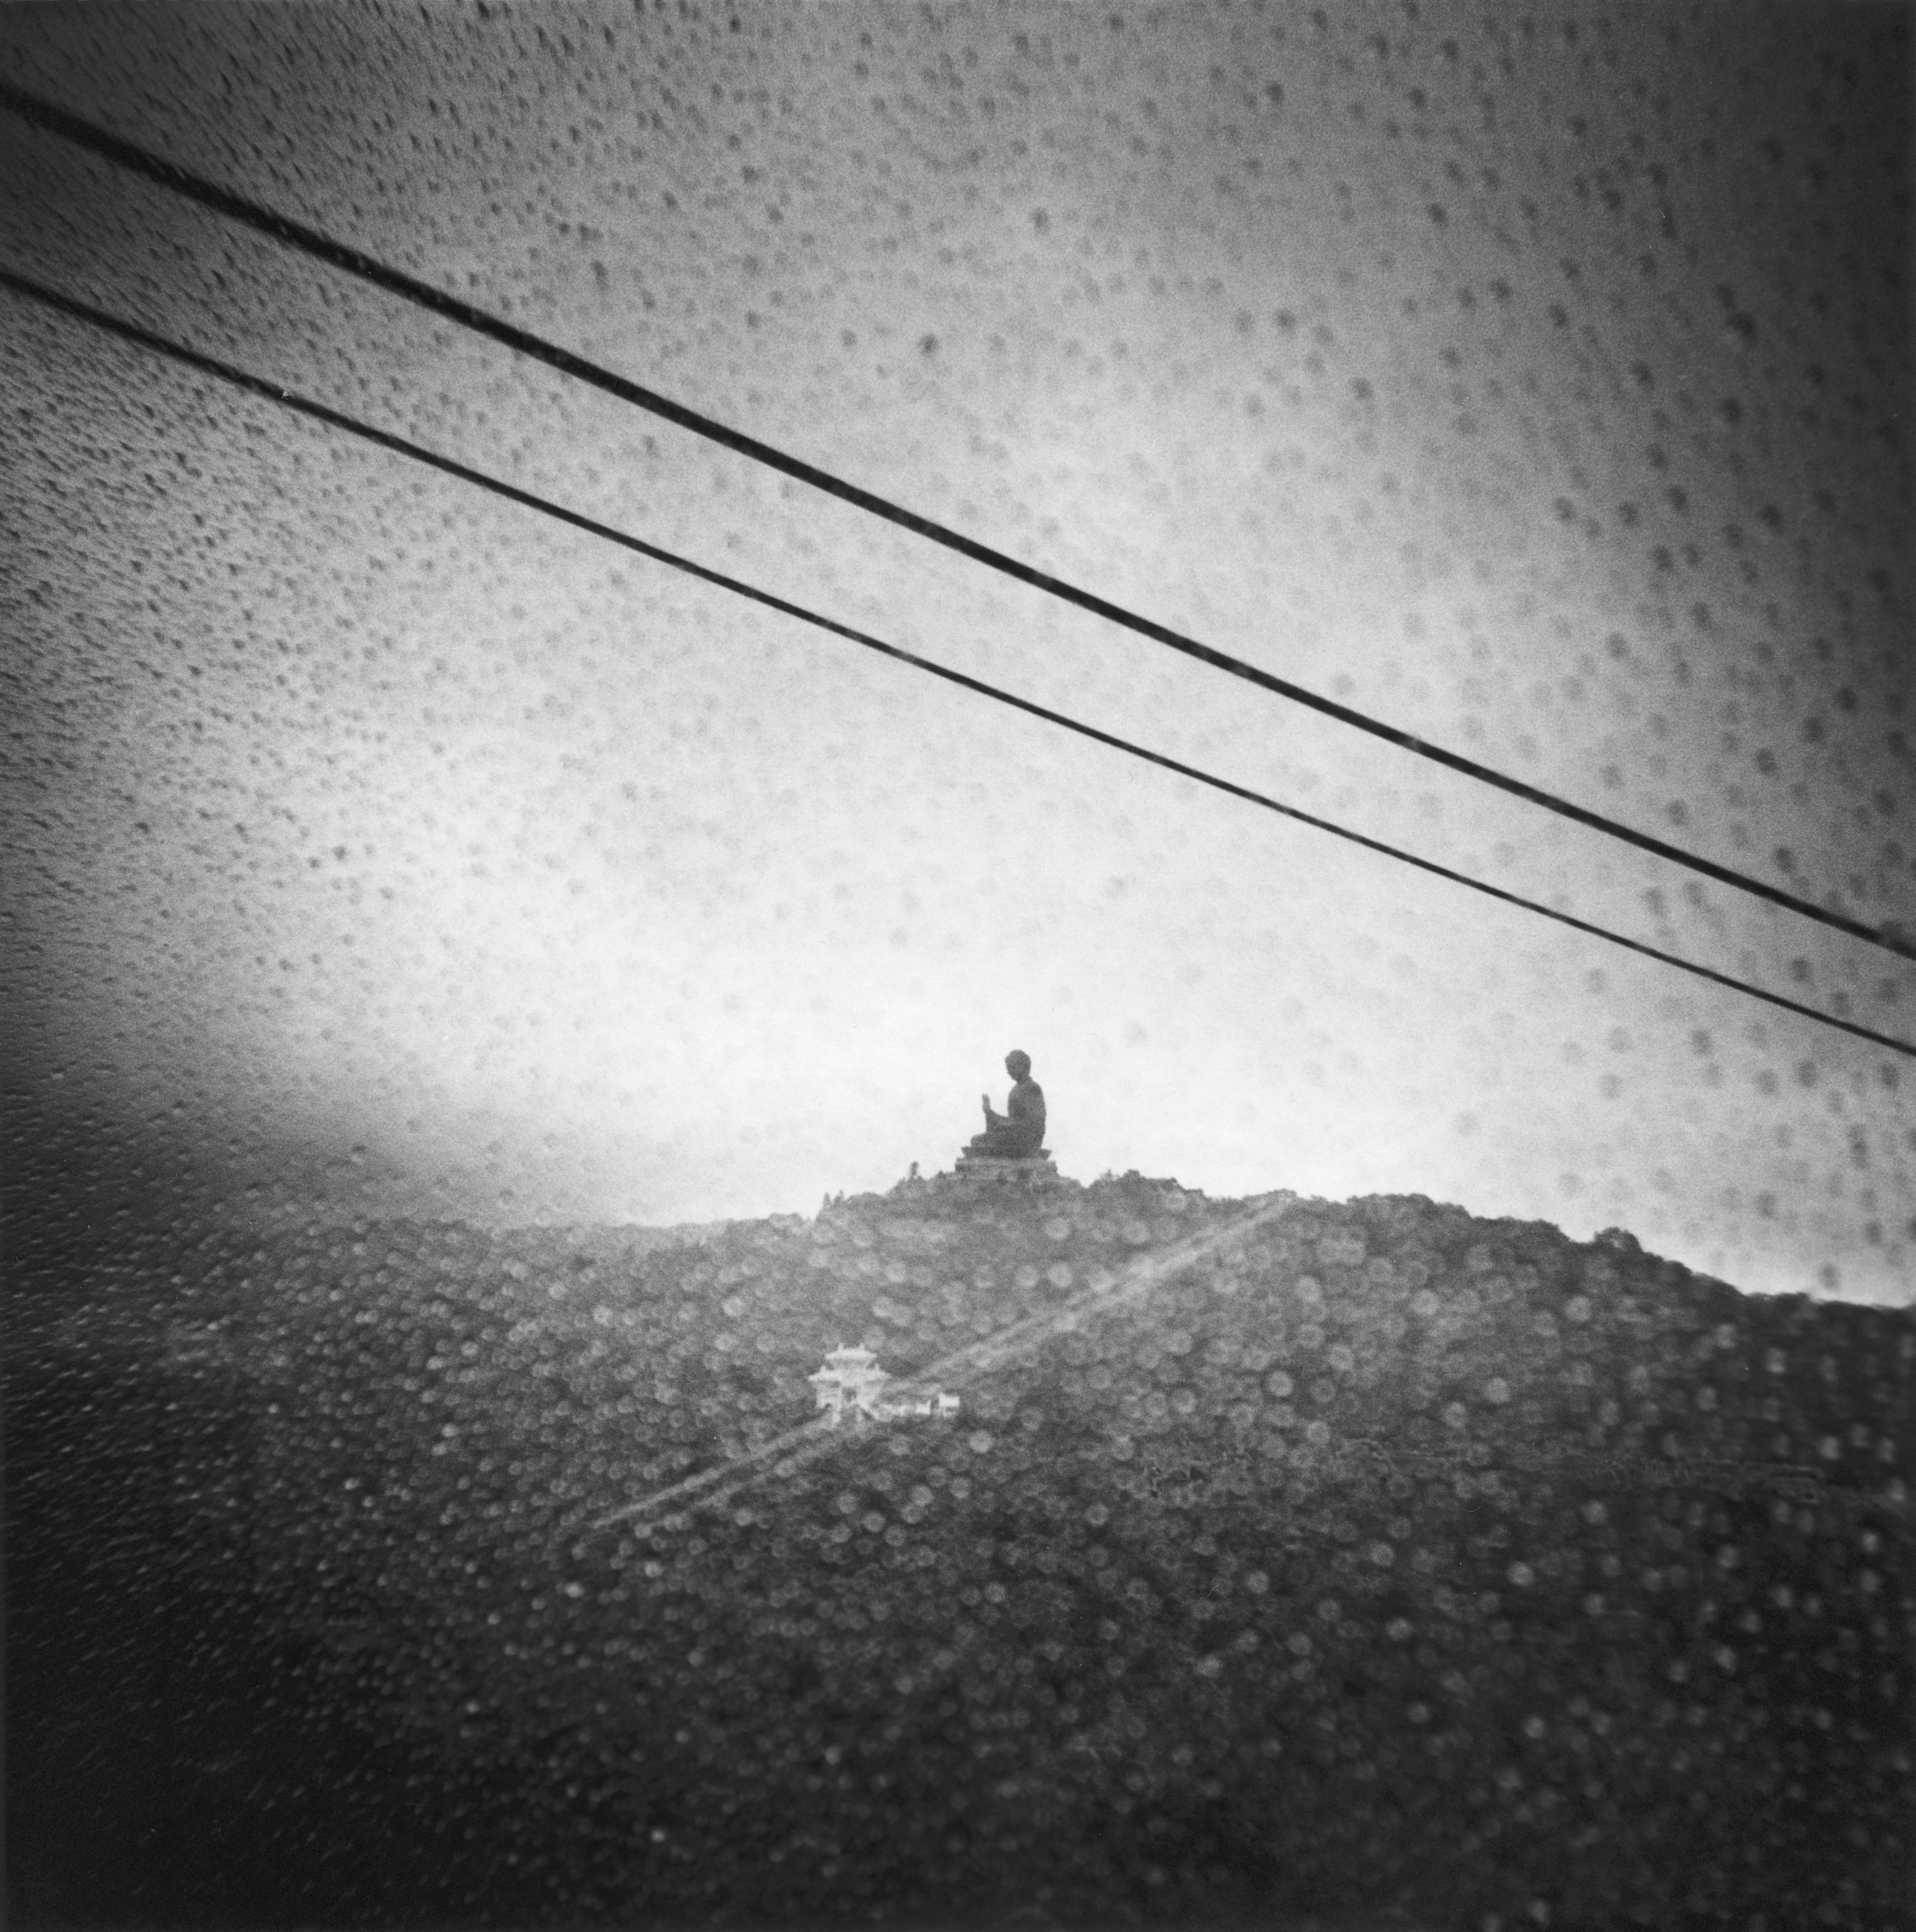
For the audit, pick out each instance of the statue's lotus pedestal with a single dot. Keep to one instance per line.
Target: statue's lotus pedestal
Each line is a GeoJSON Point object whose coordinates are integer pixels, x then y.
{"type": "Point", "coordinates": [987, 1170]}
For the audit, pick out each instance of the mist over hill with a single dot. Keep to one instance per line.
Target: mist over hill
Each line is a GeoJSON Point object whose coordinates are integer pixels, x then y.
{"type": "Point", "coordinates": [1353, 1564]}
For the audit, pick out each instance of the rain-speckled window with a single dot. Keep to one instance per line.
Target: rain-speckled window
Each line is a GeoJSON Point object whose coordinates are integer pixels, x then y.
{"type": "Point", "coordinates": [611, 610]}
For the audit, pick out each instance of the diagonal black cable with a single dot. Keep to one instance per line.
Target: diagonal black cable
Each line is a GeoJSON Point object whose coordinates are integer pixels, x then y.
{"type": "Point", "coordinates": [385, 439]}
{"type": "Point", "coordinates": [82, 134]}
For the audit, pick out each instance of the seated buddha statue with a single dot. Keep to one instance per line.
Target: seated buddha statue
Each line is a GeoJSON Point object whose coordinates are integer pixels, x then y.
{"type": "Point", "coordinates": [1018, 1133]}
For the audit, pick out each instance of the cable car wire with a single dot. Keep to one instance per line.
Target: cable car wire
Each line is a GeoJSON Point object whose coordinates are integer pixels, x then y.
{"type": "Point", "coordinates": [71, 128]}
{"type": "Point", "coordinates": [385, 439]}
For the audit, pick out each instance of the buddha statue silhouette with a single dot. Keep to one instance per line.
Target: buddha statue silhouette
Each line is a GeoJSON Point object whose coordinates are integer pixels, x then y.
{"type": "Point", "coordinates": [1018, 1133]}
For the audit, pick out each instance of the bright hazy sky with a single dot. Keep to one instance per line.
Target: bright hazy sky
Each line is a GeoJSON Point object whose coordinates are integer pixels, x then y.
{"type": "Point", "coordinates": [1539, 388]}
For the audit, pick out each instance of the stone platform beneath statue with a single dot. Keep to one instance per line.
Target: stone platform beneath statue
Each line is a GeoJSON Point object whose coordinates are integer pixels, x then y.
{"type": "Point", "coordinates": [1037, 1170]}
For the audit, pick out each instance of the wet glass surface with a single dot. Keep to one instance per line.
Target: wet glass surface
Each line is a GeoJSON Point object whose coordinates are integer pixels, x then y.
{"type": "Point", "coordinates": [442, 947]}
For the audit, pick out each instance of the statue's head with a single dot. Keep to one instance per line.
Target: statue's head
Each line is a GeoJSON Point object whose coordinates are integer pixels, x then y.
{"type": "Point", "coordinates": [1017, 1064]}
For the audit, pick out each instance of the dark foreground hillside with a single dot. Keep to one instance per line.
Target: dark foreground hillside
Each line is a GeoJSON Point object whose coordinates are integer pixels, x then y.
{"type": "Point", "coordinates": [1376, 1566]}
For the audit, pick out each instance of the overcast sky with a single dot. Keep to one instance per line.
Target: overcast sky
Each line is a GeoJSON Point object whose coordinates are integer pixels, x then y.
{"type": "Point", "coordinates": [1536, 382]}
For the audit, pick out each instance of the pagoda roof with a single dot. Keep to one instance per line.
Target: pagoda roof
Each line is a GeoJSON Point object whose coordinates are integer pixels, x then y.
{"type": "Point", "coordinates": [850, 1357]}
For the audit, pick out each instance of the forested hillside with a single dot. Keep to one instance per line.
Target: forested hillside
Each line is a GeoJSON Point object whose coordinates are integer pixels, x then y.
{"type": "Point", "coordinates": [1320, 1562]}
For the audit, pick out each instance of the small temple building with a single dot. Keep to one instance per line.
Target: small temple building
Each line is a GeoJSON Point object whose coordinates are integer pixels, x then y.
{"type": "Point", "coordinates": [851, 1386]}
{"type": "Point", "coordinates": [849, 1381]}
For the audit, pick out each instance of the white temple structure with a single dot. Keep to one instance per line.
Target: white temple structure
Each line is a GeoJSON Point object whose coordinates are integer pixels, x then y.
{"type": "Point", "coordinates": [851, 1386]}
{"type": "Point", "coordinates": [850, 1382]}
